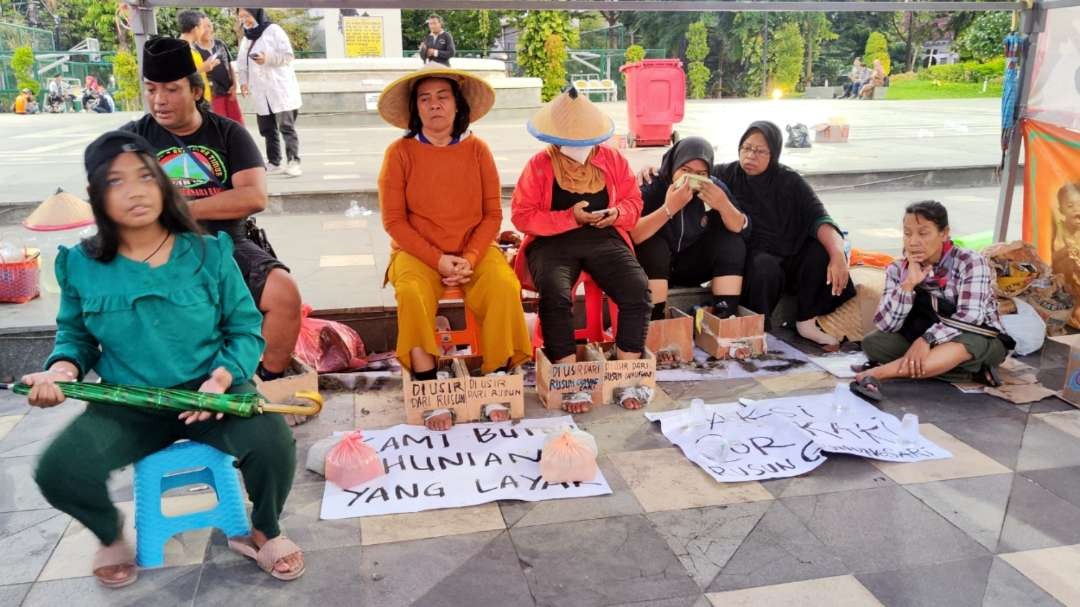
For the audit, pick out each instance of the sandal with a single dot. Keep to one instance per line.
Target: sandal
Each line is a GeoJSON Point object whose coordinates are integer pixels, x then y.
{"type": "Point", "coordinates": [577, 398]}
{"type": "Point", "coordinates": [869, 388]}
{"type": "Point", "coordinates": [269, 555]}
{"type": "Point", "coordinates": [119, 553]}
{"type": "Point", "coordinates": [866, 366]}
{"type": "Point", "coordinates": [988, 377]}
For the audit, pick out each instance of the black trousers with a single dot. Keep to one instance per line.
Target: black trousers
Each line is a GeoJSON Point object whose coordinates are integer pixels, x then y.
{"type": "Point", "coordinates": [556, 262]}
{"type": "Point", "coordinates": [284, 123]}
{"type": "Point", "coordinates": [717, 253]}
{"type": "Point", "coordinates": [768, 277]}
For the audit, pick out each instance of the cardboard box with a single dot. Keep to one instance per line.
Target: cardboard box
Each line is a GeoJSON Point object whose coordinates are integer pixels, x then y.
{"type": "Point", "coordinates": [624, 373]}
{"type": "Point", "coordinates": [554, 380]}
{"type": "Point", "coordinates": [674, 334]}
{"type": "Point", "coordinates": [1070, 390]}
{"type": "Point", "coordinates": [298, 378]}
{"type": "Point", "coordinates": [831, 133]}
{"type": "Point", "coordinates": [462, 393]}
{"type": "Point", "coordinates": [739, 336]}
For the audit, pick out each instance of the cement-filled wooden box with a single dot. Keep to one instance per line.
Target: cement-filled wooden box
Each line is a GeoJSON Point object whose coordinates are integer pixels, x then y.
{"type": "Point", "coordinates": [673, 334]}
{"type": "Point", "coordinates": [462, 392]}
{"type": "Point", "coordinates": [594, 374]}
{"type": "Point", "coordinates": [739, 336]}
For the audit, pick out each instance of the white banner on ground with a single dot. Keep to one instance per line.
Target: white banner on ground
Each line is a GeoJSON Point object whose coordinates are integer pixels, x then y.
{"type": "Point", "coordinates": [469, 464]}
{"type": "Point", "coordinates": [841, 422]}
{"type": "Point", "coordinates": [755, 450]}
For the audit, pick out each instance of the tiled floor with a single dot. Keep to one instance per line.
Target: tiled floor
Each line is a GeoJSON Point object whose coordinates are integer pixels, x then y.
{"type": "Point", "coordinates": [998, 524]}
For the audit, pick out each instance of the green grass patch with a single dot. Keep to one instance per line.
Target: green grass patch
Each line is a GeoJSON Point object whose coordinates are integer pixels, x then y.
{"type": "Point", "coordinates": [928, 89]}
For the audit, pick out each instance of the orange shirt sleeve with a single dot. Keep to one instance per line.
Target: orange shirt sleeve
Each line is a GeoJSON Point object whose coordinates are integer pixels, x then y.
{"type": "Point", "coordinates": [491, 189]}
{"type": "Point", "coordinates": [395, 216]}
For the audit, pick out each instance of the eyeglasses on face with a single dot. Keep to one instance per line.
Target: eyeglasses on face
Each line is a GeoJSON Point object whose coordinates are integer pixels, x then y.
{"type": "Point", "coordinates": [748, 150]}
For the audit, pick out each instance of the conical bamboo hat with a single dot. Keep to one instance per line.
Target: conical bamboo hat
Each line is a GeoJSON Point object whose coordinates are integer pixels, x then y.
{"type": "Point", "coordinates": [61, 211]}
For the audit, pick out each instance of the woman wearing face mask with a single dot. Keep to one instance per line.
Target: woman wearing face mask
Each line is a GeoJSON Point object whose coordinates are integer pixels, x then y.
{"type": "Point", "coordinates": [938, 316]}
{"type": "Point", "coordinates": [149, 301]}
{"type": "Point", "coordinates": [691, 231]}
{"type": "Point", "coordinates": [264, 71]}
{"type": "Point", "coordinates": [795, 247]}
{"type": "Point", "coordinates": [576, 202]}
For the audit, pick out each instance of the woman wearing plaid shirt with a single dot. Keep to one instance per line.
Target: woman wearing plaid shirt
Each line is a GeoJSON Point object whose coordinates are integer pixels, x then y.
{"type": "Point", "coordinates": [911, 341]}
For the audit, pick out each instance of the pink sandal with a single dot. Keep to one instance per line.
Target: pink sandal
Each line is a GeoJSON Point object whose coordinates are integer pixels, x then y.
{"type": "Point", "coordinates": [266, 557]}
{"type": "Point", "coordinates": [119, 553]}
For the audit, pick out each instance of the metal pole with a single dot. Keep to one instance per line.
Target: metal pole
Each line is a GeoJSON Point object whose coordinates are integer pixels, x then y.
{"type": "Point", "coordinates": [143, 25]}
{"type": "Point", "coordinates": [1031, 23]}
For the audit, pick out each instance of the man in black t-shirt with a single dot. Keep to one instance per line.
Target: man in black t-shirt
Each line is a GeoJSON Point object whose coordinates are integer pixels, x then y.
{"type": "Point", "coordinates": [438, 46]}
{"type": "Point", "coordinates": [222, 175]}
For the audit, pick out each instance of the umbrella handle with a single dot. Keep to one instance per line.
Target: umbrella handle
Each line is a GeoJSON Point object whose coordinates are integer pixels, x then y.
{"type": "Point", "coordinates": [314, 398]}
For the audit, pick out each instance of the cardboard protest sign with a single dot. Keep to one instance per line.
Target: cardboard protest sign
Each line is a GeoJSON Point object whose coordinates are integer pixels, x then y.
{"type": "Point", "coordinates": [755, 451]}
{"type": "Point", "coordinates": [841, 422]}
{"type": "Point", "coordinates": [469, 464]}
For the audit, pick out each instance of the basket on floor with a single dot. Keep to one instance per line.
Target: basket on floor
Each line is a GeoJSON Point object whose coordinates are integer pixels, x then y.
{"type": "Point", "coordinates": [19, 279]}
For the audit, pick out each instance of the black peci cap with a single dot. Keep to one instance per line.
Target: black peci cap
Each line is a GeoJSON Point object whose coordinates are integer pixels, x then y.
{"type": "Point", "coordinates": [110, 145]}
{"type": "Point", "coordinates": [167, 59]}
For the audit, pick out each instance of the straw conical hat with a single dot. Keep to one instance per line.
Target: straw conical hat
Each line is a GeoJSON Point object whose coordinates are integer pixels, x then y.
{"type": "Point", "coordinates": [61, 211]}
{"type": "Point", "coordinates": [855, 318]}
{"type": "Point", "coordinates": [571, 120]}
{"type": "Point", "coordinates": [394, 99]}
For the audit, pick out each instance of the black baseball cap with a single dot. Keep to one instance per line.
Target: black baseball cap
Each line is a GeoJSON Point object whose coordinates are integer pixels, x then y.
{"type": "Point", "coordinates": [104, 149]}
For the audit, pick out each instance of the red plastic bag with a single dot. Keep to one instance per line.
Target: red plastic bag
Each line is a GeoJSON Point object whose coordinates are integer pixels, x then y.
{"type": "Point", "coordinates": [328, 346]}
{"type": "Point", "coordinates": [351, 462]}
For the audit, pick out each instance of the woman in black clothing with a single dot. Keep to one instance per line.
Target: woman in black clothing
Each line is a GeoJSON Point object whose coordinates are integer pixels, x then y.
{"type": "Point", "coordinates": [691, 231]}
{"type": "Point", "coordinates": [795, 247]}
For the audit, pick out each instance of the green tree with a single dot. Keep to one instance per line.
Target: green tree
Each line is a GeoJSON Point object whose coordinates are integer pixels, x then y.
{"type": "Point", "coordinates": [22, 65]}
{"type": "Point", "coordinates": [816, 30]}
{"type": "Point", "coordinates": [785, 59]}
{"type": "Point", "coordinates": [984, 38]}
{"type": "Point", "coordinates": [635, 53]}
{"type": "Point", "coordinates": [914, 29]}
{"type": "Point", "coordinates": [877, 47]}
{"type": "Point", "coordinates": [555, 70]}
{"type": "Point", "coordinates": [472, 30]}
{"type": "Point", "coordinates": [697, 49]}
{"type": "Point", "coordinates": [126, 70]}
{"type": "Point", "coordinates": [533, 43]}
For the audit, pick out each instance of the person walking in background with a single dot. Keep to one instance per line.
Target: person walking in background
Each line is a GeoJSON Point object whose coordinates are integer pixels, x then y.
{"type": "Point", "coordinates": [438, 46]}
{"type": "Point", "coordinates": [221, 76]}
{"type": "Point", "coordinates": [191, 30]}
{"type": "Point", "coordinates": [265, 72]}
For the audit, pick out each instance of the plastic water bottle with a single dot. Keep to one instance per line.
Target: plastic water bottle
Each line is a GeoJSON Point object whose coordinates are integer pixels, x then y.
{"type": "Point", "coordinates": [909, 430]}
{"type": "Point", "coordinates": [698, 416]}
{"type": "Point", "coordinates": [714, 447]}
{"type": "Point", "coordinates": [847, 246]}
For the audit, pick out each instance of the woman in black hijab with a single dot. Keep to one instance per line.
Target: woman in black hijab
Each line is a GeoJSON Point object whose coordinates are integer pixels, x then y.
{"type": "Point", "coordinates": [795, 247]}
{"type": "Point", "coordinates": [691, 231]}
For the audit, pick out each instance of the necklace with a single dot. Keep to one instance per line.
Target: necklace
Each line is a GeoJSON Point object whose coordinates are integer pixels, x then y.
{"type": "Point", "coordinates": [163, 241]}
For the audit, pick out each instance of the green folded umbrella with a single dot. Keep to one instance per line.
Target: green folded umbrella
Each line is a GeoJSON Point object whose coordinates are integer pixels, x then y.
{"type": "Point", "coordinates": [173, 399]}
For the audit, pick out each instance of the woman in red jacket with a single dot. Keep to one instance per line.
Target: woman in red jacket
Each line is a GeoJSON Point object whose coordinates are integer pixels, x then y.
{"type": "Point", "coordinates": [576, 202]}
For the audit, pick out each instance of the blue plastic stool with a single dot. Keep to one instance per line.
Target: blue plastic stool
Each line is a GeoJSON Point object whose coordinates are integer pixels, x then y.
{"type": "Point", "coordinates": [184, 463]}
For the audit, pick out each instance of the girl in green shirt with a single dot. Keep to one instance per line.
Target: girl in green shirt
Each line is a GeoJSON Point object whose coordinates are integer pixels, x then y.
{"type": "Point", "coordinates": [150, 301]}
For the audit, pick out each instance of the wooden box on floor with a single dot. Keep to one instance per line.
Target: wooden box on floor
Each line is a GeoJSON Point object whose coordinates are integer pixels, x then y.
{"type": "Point", "coordinates": [462, 393]}
{"type": "Point", "coordinates": [554, 380]}
{"type": "Point", "coordinates": [623, 373]}
{"type": "Point", "coordinates": [674, 333]}
{"type": "Point", "coordinates": [740, 336]}
{"type": "Point", "coordinates": [298, 378]}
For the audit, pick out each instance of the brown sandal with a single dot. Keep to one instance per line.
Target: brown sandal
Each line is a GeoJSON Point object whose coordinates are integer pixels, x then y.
{"type": "Point", "coordinates": [269, 555]}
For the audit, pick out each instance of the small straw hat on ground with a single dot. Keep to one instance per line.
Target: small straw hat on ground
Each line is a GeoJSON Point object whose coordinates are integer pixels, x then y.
{"type": "Point", "coordinates": [571, 120]}
{"type": "Point", "coordinates": [61, 211]}
{"type": "Point", "coordinates": [394, 100]}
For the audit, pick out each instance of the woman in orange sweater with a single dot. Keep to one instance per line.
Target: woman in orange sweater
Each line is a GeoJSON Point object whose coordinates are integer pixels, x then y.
{"type": "Point", "coordinates": [440, 197]}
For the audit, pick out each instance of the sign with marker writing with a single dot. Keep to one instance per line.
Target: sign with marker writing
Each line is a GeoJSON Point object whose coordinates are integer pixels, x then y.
{"type": "Point", "coordinates": [841, 422]}
{"type": "Point", "coordinates": [732, 449]}
{"type": "Point", "coordinates": [469, 464]}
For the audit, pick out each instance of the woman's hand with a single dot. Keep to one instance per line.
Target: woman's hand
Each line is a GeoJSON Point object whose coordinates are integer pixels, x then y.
{"type": "Point", "coordinates": [219, 381]}
{"type": "Point", "coordinates": [208, 65]}
{"type": "Point", "coordinates": [714, 196]}
{"type": "Point", "coordinates": [645, 176]}
{"type": "Point", "coordinates": [837, 274]}
{"type": "Point", "coordinates": [258, 58]}
{"type": "Point", "coordinates": [454, 266]}
{"type": "Point", "coordinates": [462, 276]}
{"type": "Point", "coordinates": [608, 218]}
{"type": "Point", "coordinates": [678, 197]}
{"type": "Point", "coordinates": [582, 216]}
{"type": "Point", "coordinates": [916, 273]}
{"type": "Point", "coordinates": [244, 90]}
{"type": "Point", "coordinates": [44, 392]}
{"type": "Point", "coordinates": [914, 359]}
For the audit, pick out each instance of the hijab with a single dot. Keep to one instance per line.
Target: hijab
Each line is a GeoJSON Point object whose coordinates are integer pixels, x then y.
{"type": "Point", "coordinates": [684, 151]}
{"type": "Point", "coordinates": [573, 176]}
{"type": "Point", "coordinates": [262, 21]}
{"type": "Point", "coordinates": [783, 208]}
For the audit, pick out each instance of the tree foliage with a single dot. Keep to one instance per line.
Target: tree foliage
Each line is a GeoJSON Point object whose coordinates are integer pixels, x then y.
{"type": "Point", "coordinates": [816, 30]}
{"type": "Point", "coordinates": [984, 38]}
{"type": "Point", "coordinates": [555, 70]}
{"type": "Point", "coordinates": [126, 70]}
{"type": "Point", "coordinates": [22, 65]}
{"type": "Point", "coordinates": [785, 58]}
{"type": "Point", "coordinates": [635, 53]}
{"type": "Point", "coordinates": [877, 47]}
{"type": "Point", "coordinates": [534, 45]}
{"type": "Point", "coordinates": [697, 50]}
{"type": "Point", "coordinates": [472, 30]}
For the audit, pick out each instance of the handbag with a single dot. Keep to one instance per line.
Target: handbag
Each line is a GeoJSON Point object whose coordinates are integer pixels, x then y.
{"type": "Point", "coordinates": [928, 310]}
{"type": "Point", "coordinates": [252, 231]}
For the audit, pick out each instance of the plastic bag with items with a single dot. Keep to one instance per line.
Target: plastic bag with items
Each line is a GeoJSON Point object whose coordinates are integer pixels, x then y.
{"type": "Point", "coordinates": [352, 462]}
{"type": "Point", "coordinates": [328, 346]}
{"type": "Point", "coordinates": [569, 456]}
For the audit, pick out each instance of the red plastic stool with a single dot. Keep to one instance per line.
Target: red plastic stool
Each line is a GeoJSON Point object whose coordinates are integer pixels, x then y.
{"type": "Point", "coordinates": [468, 336]}
{"type": "Point", "coordinates": [593, 331]}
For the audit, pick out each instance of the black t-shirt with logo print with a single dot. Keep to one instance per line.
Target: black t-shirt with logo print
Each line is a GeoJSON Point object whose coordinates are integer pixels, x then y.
{"type": "Point", "coordinates": [221, 146]}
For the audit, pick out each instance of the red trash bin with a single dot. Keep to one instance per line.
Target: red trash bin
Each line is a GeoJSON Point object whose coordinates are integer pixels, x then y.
{"type": "Point", "coordinates": [655, 100]}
